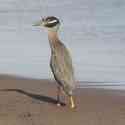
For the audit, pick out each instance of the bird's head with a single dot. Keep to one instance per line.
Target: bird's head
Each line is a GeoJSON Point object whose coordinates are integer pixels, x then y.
{"type": "Point", "coordinates": [50, 22]}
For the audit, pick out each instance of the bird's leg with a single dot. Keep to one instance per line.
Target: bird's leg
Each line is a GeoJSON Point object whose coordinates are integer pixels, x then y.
{"type": "Point", "coordinates": [72, 103]}
{"type": "Point", "coordinates": [58, 95]}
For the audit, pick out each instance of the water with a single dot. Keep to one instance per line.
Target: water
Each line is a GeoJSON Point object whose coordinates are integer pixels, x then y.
{"type": "Point", "coordinates": [93, 30]}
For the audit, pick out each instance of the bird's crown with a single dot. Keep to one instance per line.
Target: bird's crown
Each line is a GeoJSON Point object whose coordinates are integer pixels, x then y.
{"type": "Point", "coordinates": [50, 21]}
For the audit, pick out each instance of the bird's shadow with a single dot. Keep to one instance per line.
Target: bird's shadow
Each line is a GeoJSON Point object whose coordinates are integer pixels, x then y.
{"type": "Point", "coordinates": [42, 98]}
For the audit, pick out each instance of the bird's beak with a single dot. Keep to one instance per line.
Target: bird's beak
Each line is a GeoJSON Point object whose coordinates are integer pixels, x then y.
{"type": "Point", "coordinates": [39, 23]}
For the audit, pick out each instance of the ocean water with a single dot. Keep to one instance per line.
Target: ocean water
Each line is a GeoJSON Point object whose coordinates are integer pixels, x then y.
{"type": "Point", "coordinates": [94, 32]}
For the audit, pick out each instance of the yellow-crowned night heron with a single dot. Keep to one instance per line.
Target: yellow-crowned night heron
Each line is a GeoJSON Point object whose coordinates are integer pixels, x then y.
{"type": "Point", "coordinates": [61, 62]}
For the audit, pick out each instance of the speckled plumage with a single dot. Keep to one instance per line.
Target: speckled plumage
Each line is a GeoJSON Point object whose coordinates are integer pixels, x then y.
{"type": "Point", "coordinates": [61, 66]}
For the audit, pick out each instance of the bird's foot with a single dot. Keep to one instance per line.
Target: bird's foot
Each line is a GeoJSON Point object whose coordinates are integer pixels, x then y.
{"type": "Point", "coordinates": [72, 106]}
{"type": "Point", "coordinates": [72, 103]}
{"type": "Point", "coordinates": [58, 104]}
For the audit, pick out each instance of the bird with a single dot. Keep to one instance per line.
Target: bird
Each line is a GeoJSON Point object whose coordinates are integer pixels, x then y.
{"type": "Point", "coordinates": [60, 61]}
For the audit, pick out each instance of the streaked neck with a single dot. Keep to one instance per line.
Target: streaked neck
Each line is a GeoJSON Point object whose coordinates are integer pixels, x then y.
{"type": "Point", "coordinates": [53, 37]}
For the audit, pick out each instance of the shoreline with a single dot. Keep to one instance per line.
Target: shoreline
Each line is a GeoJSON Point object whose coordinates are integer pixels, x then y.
{"type": "Point", "coordinates": [28, 101]}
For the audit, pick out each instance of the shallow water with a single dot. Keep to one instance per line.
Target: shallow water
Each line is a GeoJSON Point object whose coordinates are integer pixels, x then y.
{"type": "Point", "coordinates": [93, 30]}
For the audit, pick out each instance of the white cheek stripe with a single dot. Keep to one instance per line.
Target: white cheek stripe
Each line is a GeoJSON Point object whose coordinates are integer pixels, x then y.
{"type": "Point", "coordinates": [53, 21]}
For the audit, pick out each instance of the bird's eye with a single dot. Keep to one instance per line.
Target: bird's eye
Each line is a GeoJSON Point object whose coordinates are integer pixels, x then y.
{"type": "Point", "coordinates": [48, 20]}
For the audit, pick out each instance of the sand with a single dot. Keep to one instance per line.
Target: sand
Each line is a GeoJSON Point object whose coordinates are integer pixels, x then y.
{"type": "Point", "coordinates": [32, 102]}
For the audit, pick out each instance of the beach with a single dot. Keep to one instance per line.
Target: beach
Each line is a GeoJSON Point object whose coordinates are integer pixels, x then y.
{"type": "Point", "coordinates": [33, 102]}
{"type": "Point", "coordinates": [94, 33]}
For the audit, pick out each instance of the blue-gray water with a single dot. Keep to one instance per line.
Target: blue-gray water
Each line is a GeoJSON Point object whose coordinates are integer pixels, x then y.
{"type": "Point", "coordinates": [94, 30]}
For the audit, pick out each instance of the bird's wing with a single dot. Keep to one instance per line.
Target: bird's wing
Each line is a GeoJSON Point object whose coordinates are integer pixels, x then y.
{"type": "Point", "coordinates": [61, 64]}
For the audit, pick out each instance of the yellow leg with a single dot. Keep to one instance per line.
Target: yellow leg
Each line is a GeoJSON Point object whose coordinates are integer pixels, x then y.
{"type": "Point", "coordinates": [72, 102]}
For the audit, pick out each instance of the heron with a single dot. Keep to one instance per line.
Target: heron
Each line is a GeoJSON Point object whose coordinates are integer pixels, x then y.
{"type": "Point", "coordinates": [60, 62]}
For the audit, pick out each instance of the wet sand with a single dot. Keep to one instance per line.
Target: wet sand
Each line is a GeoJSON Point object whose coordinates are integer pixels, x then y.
{"type": "Point", "coordinates": [32, 102]}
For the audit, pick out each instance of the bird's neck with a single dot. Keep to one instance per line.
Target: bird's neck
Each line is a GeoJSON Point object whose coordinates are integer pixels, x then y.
{"type": "Point", "coordinates": [53, 37]}
{"type": "Point", "coordinates": [53, 40]}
